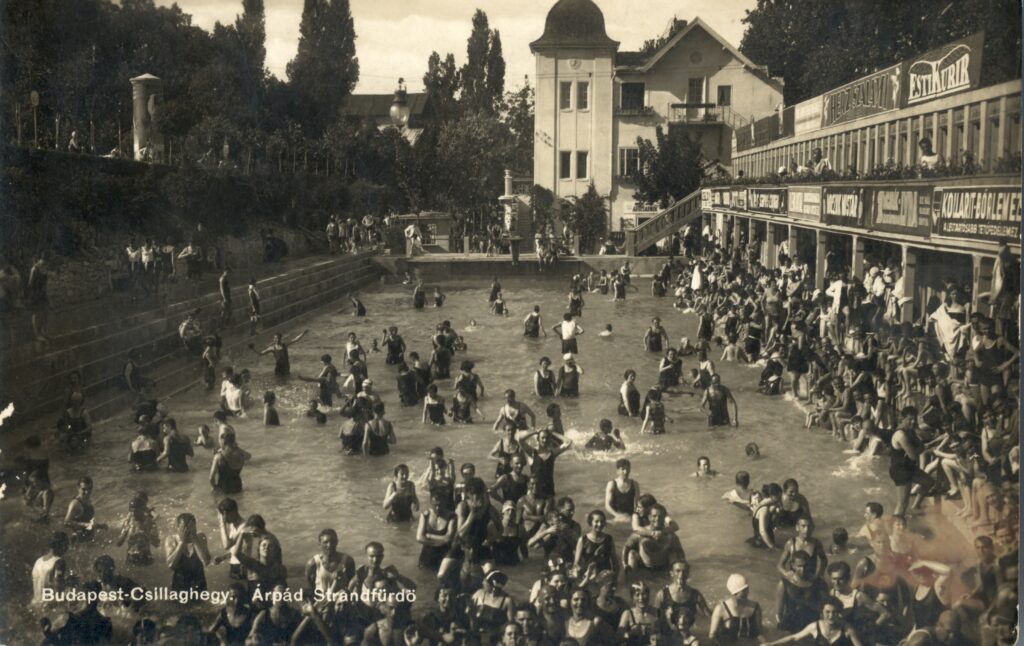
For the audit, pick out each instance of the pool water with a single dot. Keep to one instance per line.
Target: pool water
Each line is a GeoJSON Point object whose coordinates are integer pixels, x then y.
{"type": "Point", "coordinates": [300, 482]}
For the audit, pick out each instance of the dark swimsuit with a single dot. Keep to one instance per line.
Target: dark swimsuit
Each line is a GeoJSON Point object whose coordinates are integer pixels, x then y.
{"type": "Point", "coordinates": [190, 574]}
{"type": "Point", "coordinates": [144, 460]}
{"type": "Point", "coordinates": [235, 636]}
{"type": "Point", "coordinates": [633, 402]}
{"type": "Point", "coordinates": [600, 554]}
{"type": "Point", "coordinates": [282, 364]}
{"type": "Point", "coordinates": [531, 327]}
{"type": "Point", "coordinates": [543, 469]}
{"type": "Point", "coordinates": [545, 385]}
{"type": "Point", "coordinates": [419, 299]}
{"type": "Point", "coordinates": [178, 451]}
{"type": "Point", "coordinates": [401, 508]}
{"type": "Point", "coordinates": [718, 408]}
{"type": "Point", "coordinates": [432, 555]}
{"type": "Point", "coordinates": [570, 383]}
{"type": "Point", "coordinates": [654, 338]}
{"type": "Point", "coordinates": [623, 502]}
{"type": "Point", "coordinates": [228, 480]}
{"type": "Point", "coordinates": [436, 412]}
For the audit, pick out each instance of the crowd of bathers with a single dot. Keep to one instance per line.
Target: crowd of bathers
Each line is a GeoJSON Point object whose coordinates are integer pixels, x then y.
{"type": "Point", "coordinates": [934, 395]}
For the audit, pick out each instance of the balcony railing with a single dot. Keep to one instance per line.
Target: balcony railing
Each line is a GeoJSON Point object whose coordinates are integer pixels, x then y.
{"type": "Point", "coordinates": [636, 111]}
{"type": "Point", "coordinates": [694, 113]}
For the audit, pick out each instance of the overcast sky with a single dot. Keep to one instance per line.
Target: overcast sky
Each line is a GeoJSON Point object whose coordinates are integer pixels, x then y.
{"type": "Point", "coordinates": [394, 38]}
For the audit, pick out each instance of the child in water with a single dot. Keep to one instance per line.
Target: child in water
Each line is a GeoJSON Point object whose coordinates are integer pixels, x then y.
{"type": "Point", "coordinates": [439, 298]}
{"type": "Point", "coordinates": [270, 417]}
{"type": "Point", "coordinates": [840, 542]}
{"type": "Point", "coordinates": [203, 438]}
{"type": "Point", "coordinates": [753, 451]}
{"type": "Point", "coordinates": [606, 332]}
{"type": "Point", "coordinates": [315, 412]}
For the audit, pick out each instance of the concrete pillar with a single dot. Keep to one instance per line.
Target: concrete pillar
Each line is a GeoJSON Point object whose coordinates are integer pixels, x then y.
{"type": "Point", "coordinates": [821, 239]}
{"type": "Point", "coordinates": [908, 313]}
{"type": "Point", "coordinates": [147, 95]}
{"type": "Point", "coordinates": [508, 182]}
{"type": "Point", "coordinates": [857, 262]}
{"type": "Point", "coordinates": [982, 274]}
{"type": "Point", "coordinates": [720, 227]}
{"type": "Point", "coordinates": [736, 231]}
{"type": "Point", "coordinates": [791, 236]}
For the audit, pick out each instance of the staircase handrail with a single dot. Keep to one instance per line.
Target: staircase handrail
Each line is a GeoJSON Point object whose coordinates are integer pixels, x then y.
{"type": "Point", "coordinates": [676, 215]}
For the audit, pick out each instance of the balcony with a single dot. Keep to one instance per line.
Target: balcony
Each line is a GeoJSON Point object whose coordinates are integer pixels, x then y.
{"type": "Point", "coordinates": [695, 113]}
{"type": "Point", "coordinates": [643, 111]}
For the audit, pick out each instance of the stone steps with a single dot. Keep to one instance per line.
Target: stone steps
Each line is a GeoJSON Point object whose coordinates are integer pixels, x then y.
{"type": "Point", "coordinates": [283, 298]}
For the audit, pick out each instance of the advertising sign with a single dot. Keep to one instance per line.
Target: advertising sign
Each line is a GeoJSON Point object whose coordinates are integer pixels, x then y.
{"type": "Point", "coordinates": [807, 115]}
{"type": "Point", "coordinates": [739, 199]}
{"type": "Point", "coordinates": [949, 69]}
{"type": "Point", "coordinates": [706, 201]}
{"type": "Point", "coordinates": [805, 203]}
{"type": "Point", "coordinates": [977, 213]}
{"type": "Point", "coordinates": [721, 197]}
{"type": "Point", "coordinates": [901, 210]}
{"type": "Point", "coordinates": [874, 94]}
{"type": "Point", "coordinates": [766, 200]}
{"type": "Point", "coordinates": [842, 206]}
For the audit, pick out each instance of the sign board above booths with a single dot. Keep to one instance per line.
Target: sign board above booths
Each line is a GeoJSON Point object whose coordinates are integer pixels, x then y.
{"type": "Point", "coordinates": [767, 200]}
{"type": "Point", "coordinates": [706, 199]}
{"type": "Point", "coordinates": [721, 197]}
{"type": "Point", "coordinates": [901, 209]}
{"type": "Point", "coordinates": [804, 203]}
{"type": "Point", "coordinates": [739, 199]}
{"type": "Point", "coordinates": [977, 212]}
{"type": "Point", "coordinates": [842, 206]}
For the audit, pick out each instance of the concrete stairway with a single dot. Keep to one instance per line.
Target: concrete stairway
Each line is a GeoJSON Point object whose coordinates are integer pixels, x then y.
{"type": "Point", "coordinates": [38, 382]}
{"type": "Point", "coordinates": [664, 224]}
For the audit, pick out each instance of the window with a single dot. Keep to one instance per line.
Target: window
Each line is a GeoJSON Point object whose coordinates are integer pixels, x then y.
{"type": "Point", "coordinates": [583, 95]}
{"type": "Point", "coordinates": [565, 95]}
{"type": "Point", "coordinates": [695, 93]}
{"type": "Point", "coordinates": [633, 96]}
{"type": "Point", "coordinates": [724, 95]}
{"type": "Point", "coordinates": [581, 165]}
{"type": "Point", "coordinates": [629, 161]}
{"type": "Point", "coordinates": [565, 165]}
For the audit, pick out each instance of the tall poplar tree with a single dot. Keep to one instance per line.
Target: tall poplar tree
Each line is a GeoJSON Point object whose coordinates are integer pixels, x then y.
{"type": "Point", "coordinates": [325, 69]}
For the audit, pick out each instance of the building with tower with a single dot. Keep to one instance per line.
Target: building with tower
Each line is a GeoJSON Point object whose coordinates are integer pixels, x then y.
{"type": "Point", "coordinates": [593, 102]}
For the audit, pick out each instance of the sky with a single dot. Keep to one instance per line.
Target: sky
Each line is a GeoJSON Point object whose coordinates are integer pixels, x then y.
{"type": "Point", "coordinates": [394, 38]}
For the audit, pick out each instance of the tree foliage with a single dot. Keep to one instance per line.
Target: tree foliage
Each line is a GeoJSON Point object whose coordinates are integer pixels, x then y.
{"type": "Point", "coordinates": [482, 78]}
{"type": "Point", "coordinates": [325, 69]}
{"type": "Point", "coordinates": [817, 45]}
{"type": "Point", "coordinates": [670, 168]}
{"type": "Point", "coordinates": [587, 217]}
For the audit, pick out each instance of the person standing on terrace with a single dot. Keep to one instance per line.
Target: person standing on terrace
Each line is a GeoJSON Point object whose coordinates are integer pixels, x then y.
{"type": "Point", "coordinates": [817, 163]}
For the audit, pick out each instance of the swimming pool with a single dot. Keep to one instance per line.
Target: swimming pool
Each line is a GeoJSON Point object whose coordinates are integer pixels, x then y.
{"type": "Point", "coordinates": [300, 482]}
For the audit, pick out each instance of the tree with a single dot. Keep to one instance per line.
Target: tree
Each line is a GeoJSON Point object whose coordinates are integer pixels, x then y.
{"type": "Point", "coordinates": [495, 81]}
{"type": "Point", "coordinates": [251, 28]}
{"type": "Point", "coordinates": [542, 207]}
{"type": "Point", "coordinates": [587, 217]}
{"type": "Point", "coordinates": [669, 169]}
{"type": "Point", "coordinates": [483, 76]}
{"type": "Point", "coordinates": [817, 45]}
{"type": "Point", "coordinates": [442, 82]}
{"type": "Point", "coordinates": [475, 151]}
{"type": "Point", "coordinates": [517, 113]}
{"type": "Point", "coordinates": [325, 69]}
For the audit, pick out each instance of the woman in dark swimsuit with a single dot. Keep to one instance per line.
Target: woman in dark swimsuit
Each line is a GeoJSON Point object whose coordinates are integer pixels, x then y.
{"type": "Point", "coordinates": [379, 434]}
{"type": "Point", "coordinates": [187, 555]}
{"type": "Point", "coordinates": [678, 595]}
{"type": "Point", "coordinates": [145, 449]}
{"type": "Point", "coordinates": [400, 500]}
{"type": "Point", "coordinates": [716, 400]}
{"type": "Point", "coordinates": [544, 379]}
{"type": "Point", "coordinates": [505, 450]}
{"type": "Point", "coordinates": [576, 303]}
{"type": "Point", "coordinates": [542, 460]}
{"type": "Point", "coordinates": [234, 621]}
{"type": "Point", "coordinates": [81, 516]}
{"type": "Point", "coordinates": [621, 503]}
{"type": "Point", "coordinates": [177, 447]}
{"type": "Point", "coordinates": [654, 336]}
{"type": "Point", "coordinates": [532, 325]}
{"type": "Point", "coordinates": [435, 532]}
{"type": "Point", "coordinates": [395, 345]}
{"type": "Point", "coordinates": [282, 363]}
{"type": "Point", "coordinates": [226, 468]}
{"type": "Point", "coordinates": [830, 630]}
{"type": "Point", "coordinates": [641, 621]}
{"type": "Point", "coordinates": [670, 370]}
{"type": "Point", "coordinates": [596, 548]}
{"type": "Point", "coordinates": [433, 407]}
{"type": "Point", "coordinates": [419, 298]}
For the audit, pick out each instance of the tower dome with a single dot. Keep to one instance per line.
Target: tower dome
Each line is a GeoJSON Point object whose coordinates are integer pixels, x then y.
{"type": "Point", "coordinates": [574, 23]}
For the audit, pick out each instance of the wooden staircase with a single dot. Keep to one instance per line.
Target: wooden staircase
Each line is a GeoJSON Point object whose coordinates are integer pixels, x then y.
{"type": "Point", "coordinates": [664, 224]}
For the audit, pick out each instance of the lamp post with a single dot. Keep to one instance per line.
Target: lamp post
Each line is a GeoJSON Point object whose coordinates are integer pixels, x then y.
{"type": "Point", "coordinates": [400, 110]}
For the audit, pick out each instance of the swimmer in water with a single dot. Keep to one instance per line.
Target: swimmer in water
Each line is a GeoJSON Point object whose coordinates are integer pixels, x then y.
{"type": "Point", "coordinates": [753, 451]}
{"type": "Point", "coordinates": [607, 438]}
{"type": "Point", "coordinates": [704, 469]}
{"type": "Point", "coordinates": [606, 332]}
{"type": "Point", "coordinates": [740, 494]}
{"type": "Point", "coordinates": [357, 306]}
{"type": "Point", "coordinates": [270, 416]}
{"type": "Point", "coordinates": [472, 325]}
